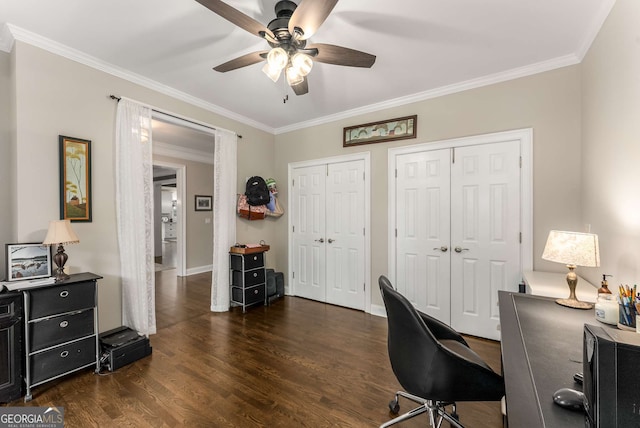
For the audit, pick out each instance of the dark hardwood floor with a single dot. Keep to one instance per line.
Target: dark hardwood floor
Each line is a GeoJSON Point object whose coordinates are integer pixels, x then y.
{"type": "Point", "coordinates": [296, 363]}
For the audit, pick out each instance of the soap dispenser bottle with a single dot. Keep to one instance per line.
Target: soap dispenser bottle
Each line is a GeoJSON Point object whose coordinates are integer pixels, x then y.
{"type": "Point", "coordinates": [604, 288]}
{"type": "Point", "coordinates": [606, 308]}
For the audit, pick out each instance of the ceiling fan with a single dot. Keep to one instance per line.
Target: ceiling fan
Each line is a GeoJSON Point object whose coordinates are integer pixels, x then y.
{"type": "Point", "coordinates": [287, 35]}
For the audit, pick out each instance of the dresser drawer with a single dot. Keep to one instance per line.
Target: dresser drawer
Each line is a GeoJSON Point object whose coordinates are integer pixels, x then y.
{"type": "Point", "coordinates": [10, 306]}
{"type": "Point", "coordinates": [251, 261]}
{"type": "Point", "coordinates": [252, 277]}
{"type": "Point", "coordinates": [251, 295]}
{"type": "Point", "coordinates": [52, 331]}
{"type": "Point", "coordinates": [62, 359]}
{"type": "Point", "coordinates": [61, 298]}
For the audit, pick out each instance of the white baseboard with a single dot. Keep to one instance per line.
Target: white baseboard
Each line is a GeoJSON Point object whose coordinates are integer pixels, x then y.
{"type": "Point", "coordinates": [378, 310]}
{"type": "Point", "coordinates": [199, 269]}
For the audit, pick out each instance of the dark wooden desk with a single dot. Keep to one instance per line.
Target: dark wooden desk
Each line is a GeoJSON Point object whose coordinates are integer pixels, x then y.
{"type": "Point", "coordinates": [541, 351]}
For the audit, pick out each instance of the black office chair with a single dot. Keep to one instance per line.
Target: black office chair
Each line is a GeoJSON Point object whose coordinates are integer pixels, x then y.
{"type": "Point", "coordinates": [433, 363]}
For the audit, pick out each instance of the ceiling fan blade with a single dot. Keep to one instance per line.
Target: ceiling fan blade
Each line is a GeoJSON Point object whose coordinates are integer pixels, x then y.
{"type": "Point", "coordinates": [242, 61]}
{"type": "Point", "coordinates": [309, 16]}
{"type": "Point", "coordinates": [332, 54]}
{"type": "Point", "coordinates": [236, 17]}
{"type": "Point", "coordinates": [301, 88]}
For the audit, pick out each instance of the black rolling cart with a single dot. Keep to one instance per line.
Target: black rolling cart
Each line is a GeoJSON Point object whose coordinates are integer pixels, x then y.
{"type": "Point", "coordinates": [247, 276]}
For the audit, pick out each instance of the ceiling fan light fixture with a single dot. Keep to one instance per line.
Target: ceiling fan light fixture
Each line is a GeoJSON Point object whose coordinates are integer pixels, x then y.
{"type": "Point", "coordinates": [272, 72]}
{"type": "Point", "coordinates": [302, 62]}
{"type": "Point", "coordinates": [293, 76]}
{"type": "Point", "coordinates": [277, 58]}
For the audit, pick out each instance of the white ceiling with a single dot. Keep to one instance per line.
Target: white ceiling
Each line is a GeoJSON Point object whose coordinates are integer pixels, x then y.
{"type": "Point", "coordinates": [424, 48]}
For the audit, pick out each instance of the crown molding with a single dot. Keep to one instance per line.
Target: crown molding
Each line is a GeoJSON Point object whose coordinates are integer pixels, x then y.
{"type": "Point", "coordinates": [179, 152]}
{"type": "Point", "coordinates": [6, 39]}
{"type": "Point", "coordinates": [491, 79]}
{"type": "Point", "coordinates": [28, 37]}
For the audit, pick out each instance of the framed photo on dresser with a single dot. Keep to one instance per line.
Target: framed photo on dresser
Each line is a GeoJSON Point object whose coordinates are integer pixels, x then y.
{"type": "Point", "coordinates": [28, 261]}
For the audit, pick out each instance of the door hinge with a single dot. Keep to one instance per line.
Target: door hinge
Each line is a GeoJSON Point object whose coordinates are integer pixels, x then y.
{"type": "Point", "coordinates": [293, 183]}
{"type": "Point", "coordinates": [364, 232]}
{"type": "Point", "coordinates": [294, 275]}
{"type": "Point", "coordinates": [453, 155]}
{"type": "Point", "coordinates": [520, 162]}
{"type": "Point", "coordinates": [294, 229]}
{"type": "Point", "coordinates": [396, 173]}
{"type": "Point", "coordinates": [364, 286]}
{"type": "Point", "coordinates": [363, 177]}
{"type": "Point", "coordinates": [521, 237]}
{"type": "Point", "coordinates": [396, 233]}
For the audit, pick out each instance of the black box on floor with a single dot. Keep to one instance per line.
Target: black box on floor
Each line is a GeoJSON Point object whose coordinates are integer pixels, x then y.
{"type": "Point", "coordinates": [275, 284]}
{"type": "Point", "coordinates": [122, 346]}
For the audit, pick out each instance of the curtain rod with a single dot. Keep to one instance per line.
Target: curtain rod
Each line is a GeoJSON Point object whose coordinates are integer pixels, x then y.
{"type": "Point", "coordinates": [114, 97]}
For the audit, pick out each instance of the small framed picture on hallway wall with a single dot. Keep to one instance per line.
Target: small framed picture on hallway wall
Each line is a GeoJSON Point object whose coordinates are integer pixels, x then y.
{"type": "Point", "coordinates": [204, 203]}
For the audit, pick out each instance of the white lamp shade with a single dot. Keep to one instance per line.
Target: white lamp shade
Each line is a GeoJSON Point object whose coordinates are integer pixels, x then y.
{"type": "Point", "coordinates": [572, 248]}
{"type": "Point", "coordinates": [302, 62]}
{"type": "Point", "coordinates": [293, 76]}
{"type": "Point", "coordinates": [272, 72]}
{"type": "Point", "coordinates": [277, 58]}
{"type": "Point", "coordinates": [60, 232]}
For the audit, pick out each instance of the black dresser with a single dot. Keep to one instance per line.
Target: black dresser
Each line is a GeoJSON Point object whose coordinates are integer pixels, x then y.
{"type": "Point", "coordinates": [10, 346]}
{"type": "Point", "coordinates": [60, 329]}
{"type": "Point", "coordinates": [248, 279]}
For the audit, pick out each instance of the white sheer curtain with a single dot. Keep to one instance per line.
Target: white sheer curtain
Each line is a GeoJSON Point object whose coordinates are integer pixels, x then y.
{"type": "Point", "coordinates": [224, 222]}
{"type": "Point", "coordinates": [134, 215]}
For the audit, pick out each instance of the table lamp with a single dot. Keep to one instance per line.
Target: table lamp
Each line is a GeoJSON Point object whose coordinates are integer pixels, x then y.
{"type": "Point", "coordinates": [59, 233]}
{"type": "Point", "coordinates": [573, 249]}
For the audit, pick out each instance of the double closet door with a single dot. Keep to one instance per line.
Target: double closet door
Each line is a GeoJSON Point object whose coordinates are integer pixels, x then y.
{"type": "Point", "coordinates": [328, 233]}
{"type": "Point", "coordinates": [458, 232]}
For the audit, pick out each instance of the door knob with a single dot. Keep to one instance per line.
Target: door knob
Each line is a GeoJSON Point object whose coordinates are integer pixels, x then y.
{"type": "Point", "coordinates": [443, 249]}
{"type": "Point", "coordinates": [330, 240]}
{"type": "Point", "coordinates": [459, 250]}
{"type": "Point", "coordinates": [321, 240]}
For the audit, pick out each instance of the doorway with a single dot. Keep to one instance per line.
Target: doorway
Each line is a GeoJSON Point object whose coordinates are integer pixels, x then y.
{"type": "Point", "coordinates": [329, 230]}
{"type": "Point", "coordinates": [169, 217]}
{"type": "Point", "coordinates": [460, 227]}
{"type": "Point", "coordinates": [175, 142]}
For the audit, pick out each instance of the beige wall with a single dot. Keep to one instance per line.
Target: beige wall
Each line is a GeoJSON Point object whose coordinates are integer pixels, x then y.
{"type": "Point", "coordinates": [5, 157]}
{"type": "Point", "coordinates": [611, 139]}
{"type": "Point", "coordinates": [548, 102]}
{"type": "Point", "coordinates": [57, 96]}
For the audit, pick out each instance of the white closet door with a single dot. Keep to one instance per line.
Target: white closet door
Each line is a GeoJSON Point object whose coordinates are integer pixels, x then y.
{"type": "Point", "coordinates": [485, 230]}
{"type": "Point", "coordinates": [423, 224]}
{"type": "Point", "coordinates": [344, 241]}
{"type": "Point", "coordinates": [309, 234]}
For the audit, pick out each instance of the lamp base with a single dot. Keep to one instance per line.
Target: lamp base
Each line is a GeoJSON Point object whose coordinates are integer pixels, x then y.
{"type": "Point", "coordinates": [574, 303]}
{"type": "Point", "coordinates": [60, 275]}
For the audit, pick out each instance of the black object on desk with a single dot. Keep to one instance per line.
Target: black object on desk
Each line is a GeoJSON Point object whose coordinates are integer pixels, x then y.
{"type": "Point", "coordinates": [569, 398]}
{"type": "Point", "coordinates": [611, 377]}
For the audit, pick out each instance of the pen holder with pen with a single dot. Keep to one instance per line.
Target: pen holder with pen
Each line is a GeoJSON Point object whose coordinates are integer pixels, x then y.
{"type": "Point", "coordinates": [626, 317]}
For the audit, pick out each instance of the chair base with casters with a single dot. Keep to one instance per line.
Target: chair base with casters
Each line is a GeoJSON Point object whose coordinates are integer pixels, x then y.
{"type": "Point", "coordinates": [437, 411]}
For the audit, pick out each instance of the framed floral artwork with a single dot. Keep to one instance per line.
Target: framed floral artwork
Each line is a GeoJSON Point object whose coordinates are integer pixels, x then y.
{"type": "Point", "coordinates": [75, 179]}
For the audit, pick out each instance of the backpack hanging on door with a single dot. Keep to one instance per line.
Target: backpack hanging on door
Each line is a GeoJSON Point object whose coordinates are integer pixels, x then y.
{"type": "Point", "coordinates": [256, 191]}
